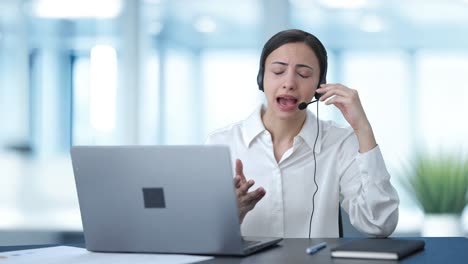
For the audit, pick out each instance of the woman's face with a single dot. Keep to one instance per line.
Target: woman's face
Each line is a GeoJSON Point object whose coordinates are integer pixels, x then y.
{"type": "Point", "coordinates": [291, 76]}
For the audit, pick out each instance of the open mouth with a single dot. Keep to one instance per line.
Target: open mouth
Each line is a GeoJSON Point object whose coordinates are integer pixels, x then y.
{"type": "Point", "coordinates": [286, 101]}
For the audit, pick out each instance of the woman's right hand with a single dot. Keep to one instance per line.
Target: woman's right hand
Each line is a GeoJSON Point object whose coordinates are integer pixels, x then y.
{"type": "Point", "coordinates": [246, 201]}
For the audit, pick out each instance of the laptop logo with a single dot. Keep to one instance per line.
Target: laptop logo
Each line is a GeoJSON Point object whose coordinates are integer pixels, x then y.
{"type": "Point", "coordinates": [154, 198]}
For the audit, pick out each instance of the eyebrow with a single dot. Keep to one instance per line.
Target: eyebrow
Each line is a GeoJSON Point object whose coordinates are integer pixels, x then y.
{"type": "Point", "coordinates": [297, 65]}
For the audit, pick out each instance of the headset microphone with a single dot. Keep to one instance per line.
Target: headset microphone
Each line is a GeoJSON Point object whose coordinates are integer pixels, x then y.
{"type": "Point", "coordinates": [304, 105]}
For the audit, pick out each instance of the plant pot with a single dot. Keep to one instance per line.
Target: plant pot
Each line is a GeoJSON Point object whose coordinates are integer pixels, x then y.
{"type": "Point", "coordinates": [442, 225]}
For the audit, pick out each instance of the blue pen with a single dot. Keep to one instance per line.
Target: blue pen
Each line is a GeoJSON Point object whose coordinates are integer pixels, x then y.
{"type": "Point", "coordinates": [313, 249]}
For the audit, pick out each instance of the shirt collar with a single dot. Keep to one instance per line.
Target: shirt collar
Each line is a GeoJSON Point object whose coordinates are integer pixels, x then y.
{"type": "Point", "coordinates": [253, 126]}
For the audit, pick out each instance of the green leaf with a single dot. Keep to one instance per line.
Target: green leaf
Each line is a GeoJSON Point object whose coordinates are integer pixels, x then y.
{"type": "Point", "coordinates": [439, 184]}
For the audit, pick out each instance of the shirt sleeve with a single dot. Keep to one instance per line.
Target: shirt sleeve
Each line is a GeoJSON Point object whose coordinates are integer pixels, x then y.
{"type": "Point", "coordinates": [367, 194]}
{"type": "Point", "coordinates": [209, 140]}
{"type": "Point", "coordinates": [216, 138]}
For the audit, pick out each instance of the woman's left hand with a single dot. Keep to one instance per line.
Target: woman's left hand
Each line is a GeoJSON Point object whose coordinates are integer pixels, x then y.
{"type": "Point", "coordinates": [347, 100]}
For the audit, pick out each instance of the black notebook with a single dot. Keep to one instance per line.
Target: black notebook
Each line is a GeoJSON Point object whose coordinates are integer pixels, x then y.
{"type": "Point", "coordinates": [377, 248]}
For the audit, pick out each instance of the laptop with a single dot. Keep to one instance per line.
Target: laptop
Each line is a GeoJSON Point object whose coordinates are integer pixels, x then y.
{"type": "Point", "coordinates": [160, 199]}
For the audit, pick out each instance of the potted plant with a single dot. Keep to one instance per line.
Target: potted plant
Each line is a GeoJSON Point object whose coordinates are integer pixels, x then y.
{"type": "Point", "coordinates": [439, 184]}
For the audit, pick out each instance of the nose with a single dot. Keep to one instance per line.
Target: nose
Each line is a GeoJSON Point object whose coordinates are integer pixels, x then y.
{"type": "Point", "coordinates": [289, 81]}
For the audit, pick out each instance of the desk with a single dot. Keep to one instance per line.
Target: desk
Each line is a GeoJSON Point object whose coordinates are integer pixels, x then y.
{"type": "Point", "coordinates": [450, 250]}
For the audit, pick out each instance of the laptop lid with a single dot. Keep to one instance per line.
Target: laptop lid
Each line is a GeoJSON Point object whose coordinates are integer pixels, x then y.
{"type": "Point", "coordinates": [169, 199]}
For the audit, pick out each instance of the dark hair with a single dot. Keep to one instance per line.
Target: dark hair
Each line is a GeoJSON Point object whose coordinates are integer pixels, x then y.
{"type": "Point", "coordinates": [291, 36]}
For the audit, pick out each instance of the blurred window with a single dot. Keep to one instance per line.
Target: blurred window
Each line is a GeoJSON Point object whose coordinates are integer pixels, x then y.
{"type": "Point", "coordinates": [441, 101]}
{"type": "Point", "coordinates": [94, 96]}
{"type": "Point", "coordinates": [230, 91]}
{"type": "Point", "coordinates": [382, 80]}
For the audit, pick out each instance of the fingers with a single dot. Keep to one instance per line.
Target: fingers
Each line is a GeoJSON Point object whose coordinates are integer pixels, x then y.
{"type": "Point", "coordinates": [246, 197]}
{"type": "Point", "coordinates": [240, 170]}
{"type": "Point", "coordinates": [248, 201]}
{"type": "Point", "coordinates": [328, 90]}
{"type": "Point", "coordinates": [337, 101]}
{"type": "Point", "coordinates": [237, 181]}
{"type": "Point", "coordinates": [340, 96]}
{"type": "Point", "coordinates": [246, 186]}
{"type": "Point", "coordinates": [254, 196]}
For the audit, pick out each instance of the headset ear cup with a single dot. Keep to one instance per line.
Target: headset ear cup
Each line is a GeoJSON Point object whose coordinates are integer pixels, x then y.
{"type": "Point", "coordinates": [260, 79]}
{"type": "Point", "coordinates": [318, 95]}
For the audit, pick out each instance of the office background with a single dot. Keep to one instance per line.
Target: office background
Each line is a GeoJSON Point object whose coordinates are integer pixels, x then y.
{"type": "Point", "coordinates": [168, 72]}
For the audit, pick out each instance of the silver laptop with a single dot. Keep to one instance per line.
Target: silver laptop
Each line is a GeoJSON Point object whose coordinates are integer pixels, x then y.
{"type": "Point", "coordinates": [162, 199]}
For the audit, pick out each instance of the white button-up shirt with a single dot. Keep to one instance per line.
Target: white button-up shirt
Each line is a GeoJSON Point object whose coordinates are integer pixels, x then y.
{"type": "Point", "coordinates": [359, 180]}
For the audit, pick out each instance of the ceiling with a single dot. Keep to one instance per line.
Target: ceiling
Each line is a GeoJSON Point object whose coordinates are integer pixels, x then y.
{"type": "Point", "coordinates": [340, 24]}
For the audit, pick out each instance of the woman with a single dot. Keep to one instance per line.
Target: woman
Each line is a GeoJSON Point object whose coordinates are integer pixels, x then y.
{"type": "Point", "coordinates": [304, 167]}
